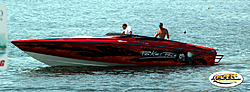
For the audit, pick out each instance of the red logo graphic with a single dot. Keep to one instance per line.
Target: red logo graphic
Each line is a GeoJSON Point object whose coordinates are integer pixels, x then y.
{"type": "Point", "coordinates": [2, 63]}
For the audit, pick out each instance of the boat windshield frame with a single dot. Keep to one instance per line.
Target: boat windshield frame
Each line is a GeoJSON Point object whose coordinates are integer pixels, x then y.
{"type": "Point", "coordinates": [137, 37]}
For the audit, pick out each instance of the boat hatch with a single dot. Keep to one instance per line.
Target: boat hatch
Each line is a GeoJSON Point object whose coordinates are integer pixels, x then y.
{"type": "Point", "coordinates": [218, 57]}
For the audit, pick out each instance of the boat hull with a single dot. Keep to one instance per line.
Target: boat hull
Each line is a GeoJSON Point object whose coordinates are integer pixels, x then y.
{"type": "Point", "coordinates": [115, 52]}
{"type": "Point", "coordinates": [62, 61]}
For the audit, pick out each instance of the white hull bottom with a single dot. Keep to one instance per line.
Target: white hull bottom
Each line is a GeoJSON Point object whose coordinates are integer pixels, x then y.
{"type": "Point", "coordinates": [62, 61]}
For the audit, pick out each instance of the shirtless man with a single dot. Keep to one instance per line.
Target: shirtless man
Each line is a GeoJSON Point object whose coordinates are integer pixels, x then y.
{"type": "Point", "coordinates": [162, 32]}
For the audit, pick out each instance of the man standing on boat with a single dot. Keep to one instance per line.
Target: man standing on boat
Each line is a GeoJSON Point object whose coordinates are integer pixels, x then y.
{"type": "Point", "coordinates": [162, 32]}
{"type": "Point", "coordinates": [126, 29]}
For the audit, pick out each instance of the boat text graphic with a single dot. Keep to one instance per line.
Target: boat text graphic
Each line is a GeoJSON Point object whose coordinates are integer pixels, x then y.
{"type": "Point", "coordinates": [158, 54]}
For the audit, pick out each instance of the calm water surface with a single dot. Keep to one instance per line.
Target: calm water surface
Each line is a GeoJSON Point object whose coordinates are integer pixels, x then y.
{"type": "Point", "coordinates": [225, 27]}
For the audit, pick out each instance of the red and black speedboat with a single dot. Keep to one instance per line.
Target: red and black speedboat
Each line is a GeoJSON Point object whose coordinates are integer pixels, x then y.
{"type": "Point", "coordinates": [116, 50]}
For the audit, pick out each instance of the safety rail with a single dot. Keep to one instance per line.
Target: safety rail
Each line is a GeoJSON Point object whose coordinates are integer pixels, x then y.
{"type": "Point", "coordinates": [219, 57]}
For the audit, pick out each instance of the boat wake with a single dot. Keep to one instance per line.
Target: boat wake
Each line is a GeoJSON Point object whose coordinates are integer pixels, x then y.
{"type": "Point", "coordinates": [114, 70]}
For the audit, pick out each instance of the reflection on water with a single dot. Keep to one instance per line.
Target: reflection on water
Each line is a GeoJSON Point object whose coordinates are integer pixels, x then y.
{"type": "Point", "coordinates": [136, 78]}
{"type": "Point", "coordinates": [134, 70]}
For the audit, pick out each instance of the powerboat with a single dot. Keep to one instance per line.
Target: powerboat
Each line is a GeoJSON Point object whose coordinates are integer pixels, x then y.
{"type": "Point", "coordinates": [115, 49]}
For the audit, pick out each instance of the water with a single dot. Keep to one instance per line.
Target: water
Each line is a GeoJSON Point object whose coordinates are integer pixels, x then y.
{"type": "Point", "coordinates": [225, 27]}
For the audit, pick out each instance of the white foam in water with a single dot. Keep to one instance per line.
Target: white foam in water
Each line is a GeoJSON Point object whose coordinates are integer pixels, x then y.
{"type": "Point", "coordinates": [3, 37]}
